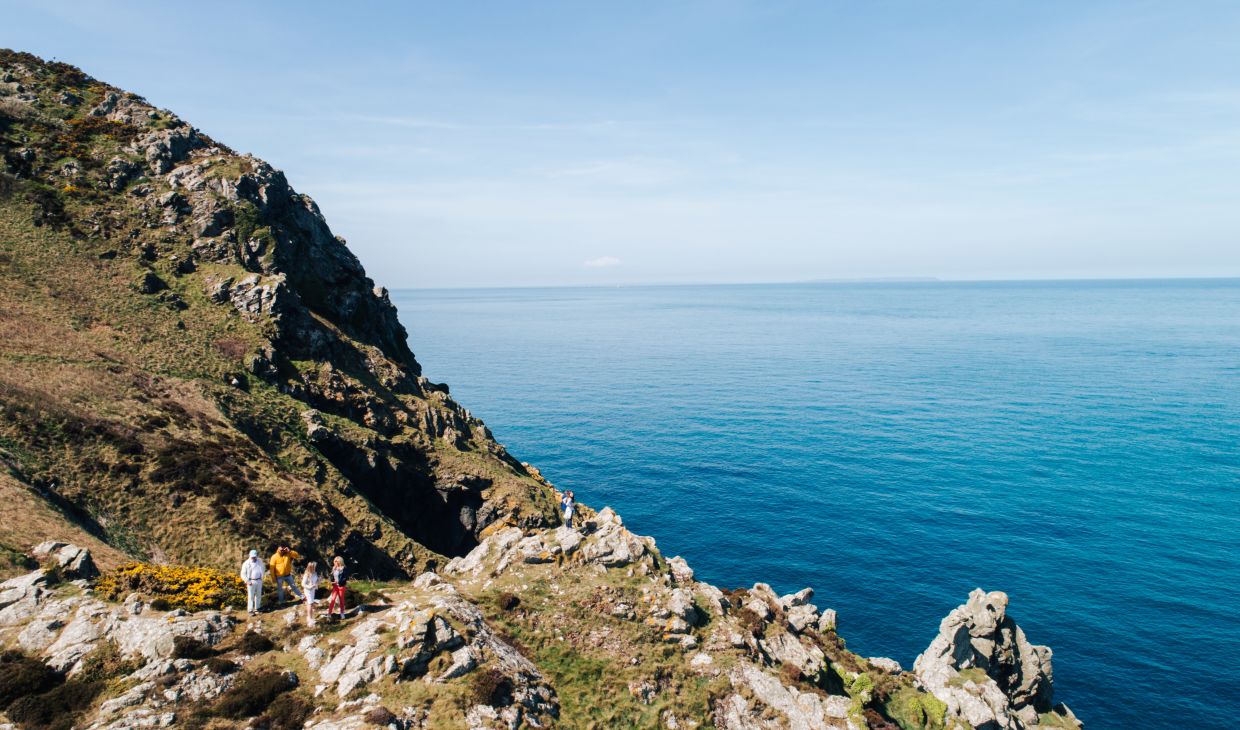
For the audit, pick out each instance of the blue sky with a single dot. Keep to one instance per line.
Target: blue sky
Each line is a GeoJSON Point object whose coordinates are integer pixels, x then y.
{"type": "Point", "coordinates": [515, 143]}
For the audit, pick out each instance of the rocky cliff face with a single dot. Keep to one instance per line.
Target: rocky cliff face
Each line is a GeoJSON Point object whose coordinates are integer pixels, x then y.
{"type": "Point", "coordinates": [213, 352]}
{"type": "Point", "coordinates": [193, 365]}
{"type": "Point", "coordinates": [985, 670]}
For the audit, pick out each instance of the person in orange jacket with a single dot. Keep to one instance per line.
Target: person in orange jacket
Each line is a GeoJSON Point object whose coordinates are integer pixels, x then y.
{"type": "Point", "coordinates": [281, 564]}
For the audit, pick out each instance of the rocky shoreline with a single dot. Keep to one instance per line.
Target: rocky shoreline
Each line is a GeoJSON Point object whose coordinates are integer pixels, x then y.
{"type": "Point", "coordinates": [196, 365]}
{"type": "Point", "coordinates": [980, 671]}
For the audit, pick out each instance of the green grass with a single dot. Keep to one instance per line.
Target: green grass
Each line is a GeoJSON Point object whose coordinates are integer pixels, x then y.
{"type": "Point", "coordinates": [971, 674]}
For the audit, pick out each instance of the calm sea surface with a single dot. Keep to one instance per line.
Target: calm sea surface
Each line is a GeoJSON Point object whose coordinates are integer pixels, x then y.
{"type": "Point", "coordinates": [1076, 445]}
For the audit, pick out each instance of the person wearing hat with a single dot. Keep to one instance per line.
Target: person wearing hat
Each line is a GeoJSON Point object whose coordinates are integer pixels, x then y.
{"type": "Point", "coordinates": [252, 572]}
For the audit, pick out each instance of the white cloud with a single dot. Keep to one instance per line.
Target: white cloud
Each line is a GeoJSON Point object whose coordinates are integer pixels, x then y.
{"type": "Point", "coordinates": [602, 262]}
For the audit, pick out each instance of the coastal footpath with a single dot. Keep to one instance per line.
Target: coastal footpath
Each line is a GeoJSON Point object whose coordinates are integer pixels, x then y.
{"type": "Point", "coordinates": [194, 365]}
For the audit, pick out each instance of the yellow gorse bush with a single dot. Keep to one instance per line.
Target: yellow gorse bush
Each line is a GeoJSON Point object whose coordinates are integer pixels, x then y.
{"type": "Point", "coordinates": [191, 588]}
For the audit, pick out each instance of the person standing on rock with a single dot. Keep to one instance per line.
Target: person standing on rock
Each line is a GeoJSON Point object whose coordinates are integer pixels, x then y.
{"type": "Point", "coordinates": [252, 572]}
{"type": "Point", "coordinates": [309, 586]}
{"type": "Point", "coordinates": [282, 571]}
{"type": "Point", "coordinates": [340, 579]}
{"type": "Point", "coordinates": [568, 505]}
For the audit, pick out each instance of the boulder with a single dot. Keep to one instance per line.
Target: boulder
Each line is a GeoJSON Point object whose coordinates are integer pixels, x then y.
{"type": "Point", "coordinates": [800, 598]}
{"type": "Point", "coordinates": [680, 570]}
{"type": "Point", "coordinates": [74, 562]}
{"type": "Point", "coordinates": [984, 669]}
{"type": "Point", "coordinates": [884, 664]}
{"type": "Point", "coordinates": [803, 617]}
{"type": "Point", "coordinates": [761, 701]}
{"type": "Point", "coordinates": [786, 648]}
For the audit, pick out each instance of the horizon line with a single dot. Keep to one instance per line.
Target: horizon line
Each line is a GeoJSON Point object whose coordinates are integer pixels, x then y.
{"type": "Point", "coordinates": [890, 280]}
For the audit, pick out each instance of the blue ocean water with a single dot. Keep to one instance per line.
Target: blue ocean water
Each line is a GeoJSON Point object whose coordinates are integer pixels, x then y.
{"type": "Point", "coordinates": [1075, 444]}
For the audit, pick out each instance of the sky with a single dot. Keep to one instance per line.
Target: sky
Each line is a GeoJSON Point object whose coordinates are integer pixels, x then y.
{"type": "Point", "coordinates": [542, 143]}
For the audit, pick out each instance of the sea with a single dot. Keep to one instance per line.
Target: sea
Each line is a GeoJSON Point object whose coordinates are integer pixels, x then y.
{"type": "Point", "coordinates": [1075, 444]}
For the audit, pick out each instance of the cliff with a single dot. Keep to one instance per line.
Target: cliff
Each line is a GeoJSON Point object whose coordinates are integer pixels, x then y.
{"type": "Point", "coordinates": [194, 365]}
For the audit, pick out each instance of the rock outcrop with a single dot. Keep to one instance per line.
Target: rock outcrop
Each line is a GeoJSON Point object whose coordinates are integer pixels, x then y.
{"type": "Point", "coordinates": [242, 309]}
{"type": "Point", "coordinates": [74, 562]}
{"type": "Point", "coordinates": [260, 388]}
{"type": "Point", "coordinates": [985, 670]}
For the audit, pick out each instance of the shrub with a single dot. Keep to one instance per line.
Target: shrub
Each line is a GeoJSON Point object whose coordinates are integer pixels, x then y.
{"type": "Point", "coordinates": [56, 709]}
{"type": "Point", "coordinates": [861, 689]}
{"type": "Point", "coordinates": [21, 676]}
{"type": "Point", "coordinates": [220, 665]}
{"type": "Point", "coordinates": [380, 716]}
{"type": "Point", "coordinates": [287, 712]}
{"type": "Point", "coordinates": [187, 647]}
{"type": "Point", "coordinates": [752, 621]}
{"type": "Point", "coordinates": [231, 348]}
{"type": "Point", "coordinates": [193, 589]}
{"type": "Point", "coordinates": [914, 710]}
{"type": "Point", "coordinates": [253, 642]}
{"type": "Point", "coordinates": [252, 693]}
{"type": "Point", "coordinates": [792, 673]}
{"type": "Point", "coordinates": [106, 662]}
{"type": "Point", "coordinates": [875, 721]}
{"type": "Point", "coordinates": [508, 601]}
{"type": "Point", "coordinates": [490, 687]}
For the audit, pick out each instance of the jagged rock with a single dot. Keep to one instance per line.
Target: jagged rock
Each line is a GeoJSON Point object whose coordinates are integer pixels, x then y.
{"type": "Point", "coordinates": [758, 602]}
{"type": "Point", "coordinates": [680, 570]}
{"type": "Point", "coordinates": [984, 669]}
{"type": "Point", "coordinates": [890, 666]}
{"type": "Point", "coordinates": [797, 710]}
{"type": "Point", "coordinates": [73, 561]}
{"type": "Point", "coordinates": [826, 622]}
{"type": "Point", "coordinates": [800, 598]}
{"type": "Point", "coordinates": [495, 545]}
{"type": "Point", "coordinates": [463, 661]}
{"type": "Point", "coordinates": [120, 171]}
{"type": "Point", "coordinates": [257, 297]}
{"type": "Point", "coordinates": [106, 106]}
{"type": "Point", "coordinates": [714, 599]}
{"type": "Point", "coordinates": [802, 617]}
{"type": "Point", "coordinates": [786, 648]}
{"type": "Point", "coordinates": [427, 580]}
{"type": "Point", "coordinates": [568, 539]}
{"type": "Point", "coordinates": [163, 148]}
{"type": "Point", "coordinates": [612, 545]}
{"type": "Point", "coordinates": [22, 592]}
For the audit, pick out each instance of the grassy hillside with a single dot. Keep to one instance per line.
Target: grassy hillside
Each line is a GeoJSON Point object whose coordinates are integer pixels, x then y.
{"type": "Point", "coordinates": [192, 364]}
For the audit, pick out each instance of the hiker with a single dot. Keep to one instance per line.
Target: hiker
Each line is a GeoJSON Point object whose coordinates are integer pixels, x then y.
{"type": "Point", "coordinates": [569, 506]}
{"type": "Point", "coordinates": [282, 571]}
{"type": "Point", "coordinates": [310, 586]}
{"type": "Point", "coordinates": [340, 578]}
{"type": "Point", "coordinates": [252, 573]}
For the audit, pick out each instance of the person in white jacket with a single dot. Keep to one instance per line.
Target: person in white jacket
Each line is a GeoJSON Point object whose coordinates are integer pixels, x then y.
{"type": "Point", "coordinates": [252, 572]}
{"type": "Point", "coordinates": [309, 586]}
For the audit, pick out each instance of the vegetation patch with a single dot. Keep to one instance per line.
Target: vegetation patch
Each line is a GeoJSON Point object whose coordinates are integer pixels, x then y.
{"type": "Point", "coordinates": [252, 694]}
{"type": "Point", "coordinates": [21, 676]}
{"type": "Point", "coordinates": [105, 663]}
{"type": "Point", "coordinates": [490, 687]}
{"type": "Point", "coordinates": [914, 710]}
{"type": "Point", "coordinates": [187, 647]}
{"type": "Point", "coordinates": [56, 709]}
{"type": "Point", "coordinates": [288, 711]}
{"type": "Point", "coordinates": [380, 716]}
{"type": "Point", "coordinates": [253, 643]}
{"type": "Point", "coordinates": [220, 665]}
{"type": "Point", "coordinates": [194, 589]}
